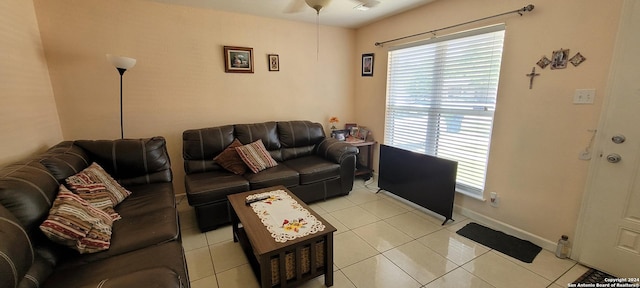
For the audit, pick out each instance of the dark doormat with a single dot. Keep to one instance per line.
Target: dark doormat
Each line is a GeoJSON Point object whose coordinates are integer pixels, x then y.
{"type": "Point", "coordinates": [594, 276]}
{"type": "Point", "coordinates": [522, 250]}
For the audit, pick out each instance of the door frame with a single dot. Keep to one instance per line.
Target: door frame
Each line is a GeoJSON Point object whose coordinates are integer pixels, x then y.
{"type": "Point", "coordinates": [601, 135]}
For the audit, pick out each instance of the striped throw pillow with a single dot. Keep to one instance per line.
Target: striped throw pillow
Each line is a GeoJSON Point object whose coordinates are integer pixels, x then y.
{"type": "Point", "coordinates": [98, 187]}
{"type": "Point", "coordinates": [75, 223]}
{"type": "Point", "coordinates": [256, 156]}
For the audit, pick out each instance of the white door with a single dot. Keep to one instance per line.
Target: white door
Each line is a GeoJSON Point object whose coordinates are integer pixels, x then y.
{"type": "Point", "coordinates": [608, 236]}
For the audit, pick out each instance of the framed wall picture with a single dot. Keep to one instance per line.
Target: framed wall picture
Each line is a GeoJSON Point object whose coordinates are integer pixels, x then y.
{"type": "Point", "coordinates": [238, 59]}
{"type": "Point", "coordinates": [559, 59]}
{"type": "Point", "coordinates": [274, 62]}
{"type": "Point", "coordinates": [367, 64]}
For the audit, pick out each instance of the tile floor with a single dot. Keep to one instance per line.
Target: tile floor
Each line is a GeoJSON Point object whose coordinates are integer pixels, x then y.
{"type": "Point", "coordinates": [380, 242]}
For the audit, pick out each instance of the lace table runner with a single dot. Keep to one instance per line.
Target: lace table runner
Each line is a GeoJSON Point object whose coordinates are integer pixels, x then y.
{"type": "Point", "coordinates": [284, 217]}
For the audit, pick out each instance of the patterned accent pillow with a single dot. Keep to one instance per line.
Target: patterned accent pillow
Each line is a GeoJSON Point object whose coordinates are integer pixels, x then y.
{"type": "Point", "coordinates": [75, 223]}
{"type": "Point", "coordinates": [256, 156]}
{"type": "Point", "coordinates": [230, 160]}
{"type": "Point", "coordinates": [97, 187]}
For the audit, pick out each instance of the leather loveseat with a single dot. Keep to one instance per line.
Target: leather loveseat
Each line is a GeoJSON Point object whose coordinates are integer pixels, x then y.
{"type": "Point", "coordinates": [145, 248]}
{"type": "Point", "coordinates": [311, 165]}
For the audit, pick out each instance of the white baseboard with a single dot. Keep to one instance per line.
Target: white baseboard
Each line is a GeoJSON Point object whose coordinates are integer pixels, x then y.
{"type": "Point", "coordinates": [506, 228]}
{"type": "Point", "coordinates": [487, 221]}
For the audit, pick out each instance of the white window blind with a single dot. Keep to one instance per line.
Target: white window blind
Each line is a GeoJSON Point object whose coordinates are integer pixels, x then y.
{"type": "Point", "coordinates": [441, 96]}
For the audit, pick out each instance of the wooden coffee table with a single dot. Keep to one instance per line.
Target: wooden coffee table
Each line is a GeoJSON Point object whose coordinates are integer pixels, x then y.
{"type": "Point", "coordinates": [295, 260]}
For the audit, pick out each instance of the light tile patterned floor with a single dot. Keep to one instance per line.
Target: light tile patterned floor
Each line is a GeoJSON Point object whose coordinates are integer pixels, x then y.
{"type": "Point", "coordinates": [380, 242]}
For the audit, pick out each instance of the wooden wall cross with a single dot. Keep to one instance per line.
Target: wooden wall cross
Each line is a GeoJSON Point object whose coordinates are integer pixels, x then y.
{"type": "Point", "coordinates": [531, 76]}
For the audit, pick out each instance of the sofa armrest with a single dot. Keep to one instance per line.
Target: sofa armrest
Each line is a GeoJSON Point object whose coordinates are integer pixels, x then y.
{"type": "Point", "coordinates": [154, 277]}
{"type": "Point", "coordinates": [335, 150]}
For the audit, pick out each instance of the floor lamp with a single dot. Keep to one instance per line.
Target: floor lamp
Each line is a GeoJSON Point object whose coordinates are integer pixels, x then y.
{"type": "Point", "coordinates": [122, 64]}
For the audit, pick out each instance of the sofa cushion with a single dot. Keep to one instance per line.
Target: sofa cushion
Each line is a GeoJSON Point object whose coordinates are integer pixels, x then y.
{"type": "Point", "coordinates": [230, 160]}
{"type": "Point", "coordinates": [267, 132]}
{"type": "Point", "coordinates": [256, 157]}
{"type": "Point", "coordinates": [38, 272]}
{"type": "Point", "coordinates": [98, 187]}
{"type": "Point", "coordinates": [75, 223]}
{"type": "Point", "coordinates": [135, 233]}
{"type": "Point", "coordinates": [169, 255]}
{"type": "Point", "coordinates": [148, 218]}
{"type": "Point", "coordinates": [131, 161]}
{"type": "Point", "coordinates": [300, 133]}
{"type": "Point", "coordinates": [299, 138]}
{"type": "Point", "coordinates": [158, 277]}
{"type": "Point", "coordinates": [314, 169]}
{"type": "Point", "coordinates": [65, 159]}
{"type": "Point", "coordinates": [15, 248]}
{"type": "Point", "coordinates": [199, 146]}
{"type": "Point", "coordinates": [27, 190]}
{"type": "Point", "coordinates": [145, 229]}
{"type": "Point", "coordinates": [208, 187]}
{"type": "Point", "coordinates": [146, 198]}
{"type": "Point", "coordinates": [295, 152]}
{"type": "Point", "coordinates": [279, 175]}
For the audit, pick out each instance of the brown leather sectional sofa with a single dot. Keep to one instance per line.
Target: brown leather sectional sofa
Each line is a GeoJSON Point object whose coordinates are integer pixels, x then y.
{"type": "Point", "coordinates": [311, 165]}
{"type": "Point", "coordinates": [146, 248]}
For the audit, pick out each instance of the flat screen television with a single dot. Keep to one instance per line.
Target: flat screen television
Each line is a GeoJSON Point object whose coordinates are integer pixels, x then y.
{"type": "Point", "coordinates": [425, 180]}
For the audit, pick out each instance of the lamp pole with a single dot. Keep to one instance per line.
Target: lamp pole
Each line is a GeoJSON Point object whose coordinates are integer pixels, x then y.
{"type": "Point", "coordinates": [122, 64]}
{"type": "Point", "coordinates": [121, 71]}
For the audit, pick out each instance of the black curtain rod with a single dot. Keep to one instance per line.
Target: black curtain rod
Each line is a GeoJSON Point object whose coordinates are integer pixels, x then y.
{"type": "Point", "coordinates": [519, 11]}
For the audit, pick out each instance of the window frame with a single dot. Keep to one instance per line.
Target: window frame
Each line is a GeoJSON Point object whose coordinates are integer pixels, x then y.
{"type": "Point", "coordinates": [485, 110]}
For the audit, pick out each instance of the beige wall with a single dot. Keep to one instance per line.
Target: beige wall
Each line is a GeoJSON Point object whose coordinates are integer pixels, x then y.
{"type": "Point", "coordinates": [28, 117]}
{"type": "Point", "coordinates": [179, 81]}
{"type": "Point", "coordinates": [537, 133]}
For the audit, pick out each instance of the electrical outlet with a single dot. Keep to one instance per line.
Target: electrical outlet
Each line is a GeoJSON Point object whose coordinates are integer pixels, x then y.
{"type": "Point", "coordinates": [584, 96]}
{"type": "Point", "coordinates": [494, 200]}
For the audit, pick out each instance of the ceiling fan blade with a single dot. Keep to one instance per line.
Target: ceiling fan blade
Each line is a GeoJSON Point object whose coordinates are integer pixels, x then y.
{"type": "Point", "coordinates": [295, 6]}
{"type": "Point", "coordinates": [372, 3]}
{"type": "Point", "coordinates": [368, 3]}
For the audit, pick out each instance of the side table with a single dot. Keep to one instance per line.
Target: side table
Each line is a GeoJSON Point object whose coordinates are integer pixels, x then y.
{"type": "Point", "coordinates": [364, 165]}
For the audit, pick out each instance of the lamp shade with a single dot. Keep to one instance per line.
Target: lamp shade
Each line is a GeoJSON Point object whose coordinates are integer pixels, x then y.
{"type": "Point", "coordinates": [317, 4]}
{"type": "Point", "coordinates": [121, 62]}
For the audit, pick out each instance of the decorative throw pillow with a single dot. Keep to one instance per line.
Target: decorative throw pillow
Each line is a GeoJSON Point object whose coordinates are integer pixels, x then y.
{"type": "Point", "coordinates": [256, 156]}
{"type": "Point", "coordinates": [97, 187]}
{"type": "Point", "coordinates": [230, 160]}
{"type": "Point", "coordinates": [75, 223]}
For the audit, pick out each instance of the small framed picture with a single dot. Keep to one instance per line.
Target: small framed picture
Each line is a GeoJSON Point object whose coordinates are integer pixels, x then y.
{"type": "Point", "coordinates": [348, 126]}
{"type": "Point", "coordinates": [340, 134]}
{"type": "Point", "coordinates": [367, 64]}
{"type": "Point", "coordinates": [577, 59]}
{"type": "Point", "coordinates": [238, 59]}
{"type": "Point", "coordinates": [559, 59]}
{"type": "Point", "coordinates": [354, 131]}
{"type": "Point", "coordinates": [274, 62]}
{"type": "Point", "coordinates": [363, 133]}
{"type": "Point", "coordinates": [544, 62]}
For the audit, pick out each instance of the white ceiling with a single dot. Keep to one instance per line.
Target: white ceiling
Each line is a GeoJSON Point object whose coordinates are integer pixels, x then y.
{"type": "Point", "coordinates": [340, 13]}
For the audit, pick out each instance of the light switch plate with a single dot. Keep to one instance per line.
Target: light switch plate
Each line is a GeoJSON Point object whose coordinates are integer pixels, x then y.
{"type": "Point", "coordinates": [584, 96]}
